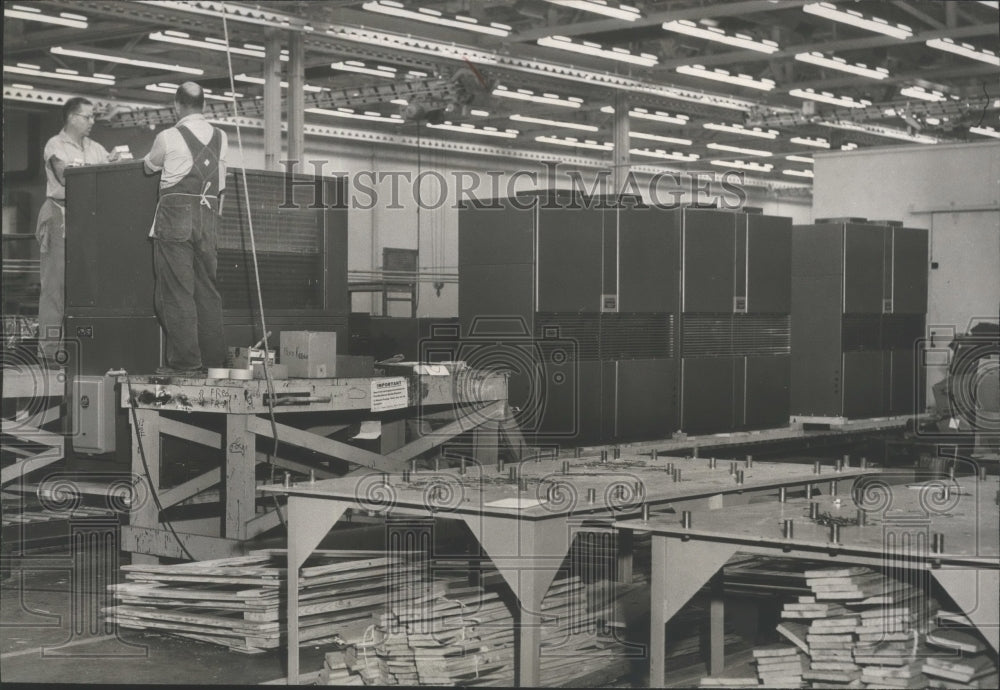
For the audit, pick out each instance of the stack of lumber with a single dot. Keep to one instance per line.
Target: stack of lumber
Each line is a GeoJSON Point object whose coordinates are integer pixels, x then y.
{"type": "Point", "coordinates": [466, 637]}
{"type": "Point", "coordinates": [958, 657]}
{"type": "Point", "coordinates": [859, 628]}
{"type": "Point", "coordinates": [780, 666]}
{"type": "Point", "coordinates": [239, 602]}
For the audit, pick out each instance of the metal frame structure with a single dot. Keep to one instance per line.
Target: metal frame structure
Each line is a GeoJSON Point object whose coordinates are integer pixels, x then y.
{"type": "Point", "coordinates": [527, 537]}
{"type": "Point", "coordinates": [686, 558]}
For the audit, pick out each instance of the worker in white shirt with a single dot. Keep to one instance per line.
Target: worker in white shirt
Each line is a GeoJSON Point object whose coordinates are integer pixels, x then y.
{"type": "Point", "coordinates": [71, 147]}
{"type": "Point", "coordinates": [191, 159]}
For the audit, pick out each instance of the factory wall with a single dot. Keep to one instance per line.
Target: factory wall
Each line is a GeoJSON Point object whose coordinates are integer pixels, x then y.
{"type": "Point", "coordinates": [953, 191]}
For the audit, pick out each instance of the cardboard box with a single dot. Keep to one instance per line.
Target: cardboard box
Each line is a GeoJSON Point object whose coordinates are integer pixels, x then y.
{"type": "Point", "coordinates": [354, 367]}
{"type": "Point", "coordinates": [246, 357]}
{"type": "Point", "coordinates": [309, 354]}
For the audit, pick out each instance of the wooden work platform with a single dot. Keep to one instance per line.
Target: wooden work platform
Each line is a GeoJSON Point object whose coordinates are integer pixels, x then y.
{"type": "Point", "coordinates": [526, 515]}
{"type": "Point", "coordinates": [406, 415]}
{"type": "Point", "coordinates": [36, 393]}
{"type": "Point", "coordinates": [900, 525]}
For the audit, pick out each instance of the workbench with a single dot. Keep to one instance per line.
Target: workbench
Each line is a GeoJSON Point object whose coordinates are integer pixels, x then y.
{"type": "Point", "coordinates": [37, 394]}
{"type": "Point", "coordinates": [897, 535]}
{"type": "Point", "coordinates": [190, 409]}
{"type": "Point", "coordinates": [525, 515]}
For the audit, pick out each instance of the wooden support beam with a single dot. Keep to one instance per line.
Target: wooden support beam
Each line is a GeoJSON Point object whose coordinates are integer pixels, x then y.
{"type": "Point", "coordinates": [447, 432]}
{"type": "Point", "coordinates": [158, 542]}
{"type": "Point", "coordinates": [205, 437]}
{"type": "Point", "coordinates": [191, 487]}
{"type": "Point", "coordinates": [326, 446]}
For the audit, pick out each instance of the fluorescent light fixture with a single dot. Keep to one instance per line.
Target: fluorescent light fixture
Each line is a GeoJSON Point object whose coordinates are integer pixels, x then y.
{"type": "Point", "coordinates": [965, 50]}
{"type": "Point", "coordinates": [738, 149]}
{"type": "Point", "coordinates": [665, 155]}
{"type": "Point", "coordinates": [247, 79]}
{"type": "Point", "coordinates": [89, 54]}
{"type": "Point", "coordinates": [626, 12]}
{"type": "Point", "coordinates": [919, 92]}
{"type": "Point", "coordinates": [545, 98]}
{"type": "Point", "coordinates": [740, 129]}
{"type": "Point", "coordinates": [849, 146]}
{"type": "Point", "coordinates": [33, 14]}
{"type": "Point", "coordinates": [658, 116]}
{"type": "Point", "coordinates": [660, 138]}
{"type": "Point", "coordinates": [351, 114]}
{"type": "Point", "coordinates": [476, 113]}
{"type": "Point", "coordinates": [167, 87]}
{"type": "Point", "coordinates": [360, 68]}
{"type": "Point", "coordinates": [827, 97]}
{"type": "Point", "coordinates": [210, 43]}
{"type": "Point", "coordinates": [798, 173]}
{"type": "Point", "coordinates": [880, 131]}
{"type": "Point", "coordinates": [685, 26]}
{"type": "Point", "coordinates": [985, 131]}
{"type": "Point", "coordinates": [799, 159]}
{"type": "Point", "coordinates": [426, 14]}
{"type": "Point", "coordinates": [64, 74]}
{"type": "Point", "coordinates": [467, 128]}
{"type": "Point", "coordinates": [596, 50]}
{"type": "Point", "coordinates": [573, 142]}
{"type": "Point", "coordinates": [843, 65]}
{"type": "Point", "coordinates": [724, 76]}
{"type": "Point", "coordinates": [744, 165]}
{"type": "Point", "coordinates": [554, 123]}
{"type": "Point", "coordinates": [819, 143]}
{"type": "Point", "coordinates": [830, 11]}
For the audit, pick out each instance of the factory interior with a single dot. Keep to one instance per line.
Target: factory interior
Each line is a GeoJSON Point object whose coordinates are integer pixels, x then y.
{"type": "Point", "coordinates": [519, 343]}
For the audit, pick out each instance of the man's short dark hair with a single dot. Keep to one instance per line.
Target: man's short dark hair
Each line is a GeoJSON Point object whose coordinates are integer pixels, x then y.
{"type": "Point", "coordinates": [72, 106]}
{"type": "Point", "coordinates": [190, 95]}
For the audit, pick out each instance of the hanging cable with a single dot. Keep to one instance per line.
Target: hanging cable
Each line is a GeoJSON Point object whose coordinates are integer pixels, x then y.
{"type": "Point", "coordinates": [253, 251]}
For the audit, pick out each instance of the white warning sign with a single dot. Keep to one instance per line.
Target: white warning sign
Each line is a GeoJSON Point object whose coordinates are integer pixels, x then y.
{"type": "Point", "coordinates": [389, 393]}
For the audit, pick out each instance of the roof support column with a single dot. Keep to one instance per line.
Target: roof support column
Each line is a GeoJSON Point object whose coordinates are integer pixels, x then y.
{"type": "Point", "coordinates": [272, 100]}
{"type": "Point", "coordinates": [620, 156]}
{"type": "Point", "coordinates": [296, 99]}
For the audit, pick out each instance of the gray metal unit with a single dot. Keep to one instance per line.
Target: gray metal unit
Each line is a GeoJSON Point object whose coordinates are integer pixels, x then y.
{"type": "Point", "coordinates": [859, 303]}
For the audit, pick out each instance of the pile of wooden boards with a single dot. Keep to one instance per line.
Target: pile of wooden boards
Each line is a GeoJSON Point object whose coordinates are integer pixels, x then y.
{"type": "Point", "coordinates": [957, 657]}
{"type": "Point", "coordinates": [240, 602]}
{"type": "Point", "coordinates": [861, 628]}
{"type": "Point", "coordinates": [467, 637]}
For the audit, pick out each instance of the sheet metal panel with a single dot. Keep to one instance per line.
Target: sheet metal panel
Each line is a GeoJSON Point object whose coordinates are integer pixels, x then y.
{"type": "Point", "coordinates": [707, 395]}
{"type": "Point", "coordinates": [570, 259]}
{"type": "Point", "coordinates": [649, 276]}
{"type": "Point", "coordinates": [769, 264]}
{"type": "Point", "coordinates": [709, 252]}
{"type": "Point", "coordinates": [910, 271]}
{"type": "Point", "coordinates": [647, 399]}
{"type": "Point", "coordinates": [863, 268]}
{"type": "Point", "coordinates": [768, 391]}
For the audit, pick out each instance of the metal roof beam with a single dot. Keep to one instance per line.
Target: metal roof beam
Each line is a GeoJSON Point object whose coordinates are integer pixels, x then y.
{"type": "Point", "coordinates": [43, 40]}
{"type": "Point", "coordinates": [719, 10]}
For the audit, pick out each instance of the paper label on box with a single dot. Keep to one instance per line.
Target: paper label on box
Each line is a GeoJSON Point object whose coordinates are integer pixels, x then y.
{"type": "Point", "coordinates": [390, 393]}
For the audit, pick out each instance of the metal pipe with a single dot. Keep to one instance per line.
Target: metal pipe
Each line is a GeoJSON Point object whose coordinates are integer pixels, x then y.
{"type": "Point", "coordinates": [833, 487]}
{"type": "Point", "coordinates": [782, 494]}
{"type": "Point", "coordinates": [591, 495]}
{"type": "Point", "coordinates": [739, 477]}
{"type": "Point", "coordinates": [862, 517]}
{"type": "Point", "coordinates": [565, 466]}
{"type": "Point", "coordinates": [937, 542]}
{"type": "Point", "coordinates": [817, 468]}
{"type": "Point", "coordinates": [617, 452]}
{"type": "Point", "coordinates": [686, 519]}
{"type": "Point", "coordinates": [748, 461]}
{"type": "Point", "coordinates": [645, 512]}
{"type": "Point", "coordinates": [835, 533]}
{"type": "Point", "coordinates": [813, 510]}
{"type": "Point", "coordinates": [788, 528]}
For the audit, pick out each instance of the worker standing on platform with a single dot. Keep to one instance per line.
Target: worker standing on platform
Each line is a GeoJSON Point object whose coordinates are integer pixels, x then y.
{"type": "Point", "coordinates": [71, 147]}
{"type": "Point", "coordinates": [191, 156]}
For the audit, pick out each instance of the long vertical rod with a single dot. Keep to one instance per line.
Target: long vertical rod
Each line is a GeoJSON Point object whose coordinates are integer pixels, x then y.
{"type": "Point", "coordinates": [296, 98]}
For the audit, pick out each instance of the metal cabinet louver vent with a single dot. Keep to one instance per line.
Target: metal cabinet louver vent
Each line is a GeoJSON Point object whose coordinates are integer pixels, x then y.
{"type": "Point", "coordinates": [290, 246]}
{"type": "Point", "coordinates": [580, 332]}
{"type": "Point", "coordinates": [762, 334]}
{"type": "Point", "coordinates": [637, 336]}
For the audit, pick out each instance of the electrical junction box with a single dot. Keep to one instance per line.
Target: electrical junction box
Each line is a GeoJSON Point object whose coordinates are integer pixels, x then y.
{"type": "Point", "coordinates": [93, 409]}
